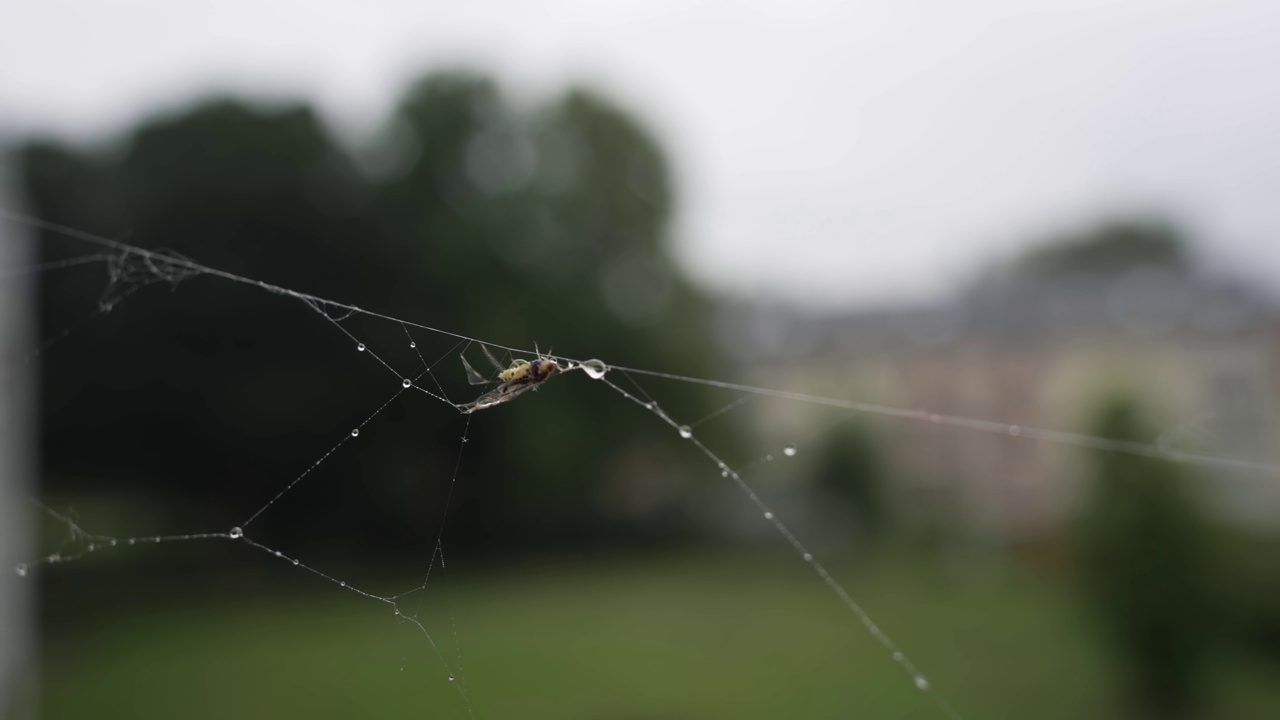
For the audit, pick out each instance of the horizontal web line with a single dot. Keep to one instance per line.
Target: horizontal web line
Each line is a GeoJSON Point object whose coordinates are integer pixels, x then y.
{"type": "Point", "coordinates": [988, 426]}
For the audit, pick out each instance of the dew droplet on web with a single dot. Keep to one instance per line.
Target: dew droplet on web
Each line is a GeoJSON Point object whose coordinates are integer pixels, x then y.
{"type": "Point", "coordinates": [22, 569]}
{"type": "Point", "coordinates": [808, 557]}
{"type": "Point", "coordinates": [898, 656]}
{"type": "Point", "coordinates": [355, 432]}
{"type": "Point", "coordinates": [768, 515]}
{"type": "Point", "coordinates": [360, 347]}
{"type": "Point", "coordinates": [789, 450]}
{"type": "Point", "coordinates": [413, 344]}
{"type": "Point", "coordinates": [686, 432]}
{"type": "Point", "coordinates": [1015, 430]}
{"type": "Point", "coordinates": [451, 677]}
{"type": "Point", "coordinates": [724, 473]}
{"type": "Point", "coordinates": [406, 383]}
{"type": "Point", "coordinates": [595, 369]}
{"type": "Point", "coordinates": [236, 533]}
{"type": "Point", "coordinates": [922, 683]}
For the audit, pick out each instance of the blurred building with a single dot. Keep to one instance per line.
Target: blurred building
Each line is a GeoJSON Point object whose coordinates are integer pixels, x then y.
{"type": "Point", "coordinates": [1204, 353]}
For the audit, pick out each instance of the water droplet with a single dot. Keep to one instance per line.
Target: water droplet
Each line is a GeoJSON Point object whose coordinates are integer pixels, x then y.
{"type": "Point", "coordinates": [768, 458]}
{"type": "Point", "coordinates": [342, 584]}
{"type": "Point", "coordinates": [91, 547]}
{"type": "Point", "coordinates": [279, 554]}
{"type": "Point", "coordinates": [768, 515]}
{"type": "Point", "coordinates": [686, 432]}
{"type": "Point", "coordinates": [360, 347]}
{"type": "Point", "coordinates": [898, 656]}
{"type": "Point", "coordinates": [113, 542]}
{"type": "Point", "coordinates": [1014, 430]}
{"type": "Point", "coordinates": [22, 569]}
{"type": "Point", "coordinates": [595, 369]}
{"type": "Point", "coordinates": [355, 432]}
{"type": "Point", "coordinates": [406, 383]}
{"type": "Point", "coordinates": [789, 450]}
{"type": "Point", "coordinates": [132, 540]}
{"type": "Point", "coordinates": [934, 417]}
{"type": "Point", "coordinates": [808, 557]}
{"type": "Point", "coordinates": [451, 677]}
{"type": "Point", "coordinates": [922, 683]}
{"type": "Point", "coordinates": [296, 561]}
{"type": "Point", "coordinates": [236, 533]}
{"type": "Point", "coordinates": [413, 344]}
{"type": "Point", "coordinates": [724, 472]}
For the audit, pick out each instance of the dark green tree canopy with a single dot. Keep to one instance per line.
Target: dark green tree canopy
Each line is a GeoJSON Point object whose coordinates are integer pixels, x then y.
{"type": "Point", "coordinates": [546, 226]}
{"type": "Point", "coordinates": [1147, 569]}
{"type": "Point", "coordinates": [1109, 246]}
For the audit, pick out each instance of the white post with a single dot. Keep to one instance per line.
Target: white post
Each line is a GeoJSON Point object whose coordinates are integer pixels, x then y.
{"type": "Point", "coordinates": [18, 435]}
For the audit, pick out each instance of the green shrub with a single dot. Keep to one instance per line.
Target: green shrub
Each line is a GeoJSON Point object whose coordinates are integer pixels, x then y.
{"type": "Point", "coordinates": [1147, 571]}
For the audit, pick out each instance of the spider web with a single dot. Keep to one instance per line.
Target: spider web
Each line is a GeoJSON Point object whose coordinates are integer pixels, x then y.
{"type": "Point", "coordinates": [418, 362]}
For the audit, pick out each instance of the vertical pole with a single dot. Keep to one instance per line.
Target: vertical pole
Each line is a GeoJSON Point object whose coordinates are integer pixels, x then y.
{"type": "Point", "coordinates": [18, 423]}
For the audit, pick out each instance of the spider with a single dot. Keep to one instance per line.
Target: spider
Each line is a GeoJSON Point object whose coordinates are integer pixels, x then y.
{"type": "Point", "coordinates": [520, 376]}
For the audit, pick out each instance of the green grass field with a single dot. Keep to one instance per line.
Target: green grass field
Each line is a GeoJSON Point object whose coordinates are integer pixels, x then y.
{"type": "Point", "coordinates": [681, 637]}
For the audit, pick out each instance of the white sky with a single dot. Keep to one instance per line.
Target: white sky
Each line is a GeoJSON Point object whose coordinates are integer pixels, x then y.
{"type": "Point", "coordinates": [825, 151]}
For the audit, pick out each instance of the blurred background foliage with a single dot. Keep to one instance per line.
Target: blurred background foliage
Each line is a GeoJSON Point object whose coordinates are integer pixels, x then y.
{"type": "Point", "coordinates": [550, 225]}
{"type": "Point", "coordinates": [544, 226]}
{"type": "Point", "coordinates": [1147, 560]}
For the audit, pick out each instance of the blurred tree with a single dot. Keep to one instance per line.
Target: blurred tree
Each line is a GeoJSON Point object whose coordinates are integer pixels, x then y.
{"type": "Point", "coordinates": [259, 191]}
{"type": "Point", "coordinates": [1252, 594]}
{"type": "Point", "coordinates": [545, 228]}
{"type": "Point", "coordinates": [1108, 246]}
{"type": "Point", "coordinates": [1145, 558]}
{"type": "Point", "coordinates": [850, 473]}
{"type": "Point", "coordinates": [550, 229]}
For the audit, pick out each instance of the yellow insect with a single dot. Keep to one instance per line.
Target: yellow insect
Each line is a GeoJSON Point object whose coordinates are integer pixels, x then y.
{"type": "Point", "coordinates": [520, 376]}
{"type": "Point", "coordinates": [519, 369]}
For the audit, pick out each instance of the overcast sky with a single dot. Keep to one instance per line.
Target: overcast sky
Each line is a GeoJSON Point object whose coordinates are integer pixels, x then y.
{"type": "Point", "coordinates": [825, 151]}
